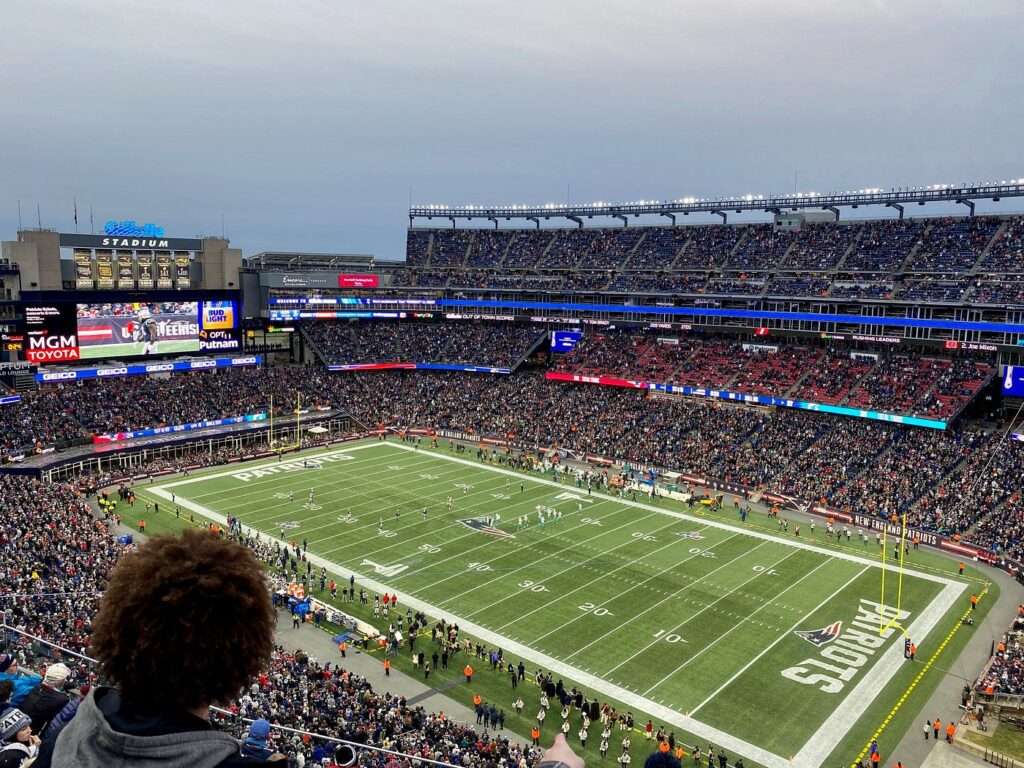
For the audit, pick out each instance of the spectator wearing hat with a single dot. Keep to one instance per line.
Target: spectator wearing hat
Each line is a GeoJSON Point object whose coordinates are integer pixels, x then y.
{"type": "Point", "coordinates": [185, 623]}
{"type": "Point", "coordinates": [255, 744]}
{"type": "Point", "coordinates": [17, 742]}
{"type": "Point", "coordinates": [23, 682]}
{"type": "Point", "coordinates": [45, 700]}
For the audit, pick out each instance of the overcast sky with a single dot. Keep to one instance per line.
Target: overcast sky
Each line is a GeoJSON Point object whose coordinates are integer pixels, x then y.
{"type": "Point", "coordinates": [309, 125]}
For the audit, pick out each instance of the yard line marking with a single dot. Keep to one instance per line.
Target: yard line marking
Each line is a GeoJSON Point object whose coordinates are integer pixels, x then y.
{"type": "Point", "coordinates": [518, 548]}
{"type": "Point", "coordinates": [673, 566]}
{"type": "Point", "coordinates": [417, 520]}
{"type": "Point", "coordinates": [257, 486]}
{"type": "Point", "coordinates": [710, 605]}
{"type": "Point", "coordinates": [668, 596]}
{"type": "Point", "coordinates": [399, 540]}
{"type": "Point", "coordinates": [330, 492]}
{"type": "Point", "coordinates": [320, 488]}
{"type": "Point", "coordinates": [240, 467]}
{"type": "Point", "coordinates": [630, 698]}
{"type": "Point", "coordinates": [777, 640]}
{"type": "Point", "coordinates": [564, 570]}
{"type": "Point", "coordinates": [753, 533]}
{"type": "Point", "coordinates": [736, 626]}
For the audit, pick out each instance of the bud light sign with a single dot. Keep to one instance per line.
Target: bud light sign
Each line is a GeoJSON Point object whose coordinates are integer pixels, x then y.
{"type": "Point", "coordinates": [1013, 381]}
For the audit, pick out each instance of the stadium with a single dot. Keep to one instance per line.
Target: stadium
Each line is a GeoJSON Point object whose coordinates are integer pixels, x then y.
{"type": "Point", "coordinates": [734, 480]}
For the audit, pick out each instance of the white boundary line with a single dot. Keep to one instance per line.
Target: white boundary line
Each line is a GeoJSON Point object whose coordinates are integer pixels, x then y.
{"type": "Point", "coordinates": [831, 732]}
{"type": "Point", "coordinates": [630, 698]}
{"type": "Point", "coordinates": [241, 467]}
{"type": "Point", "coordinates": [817, 748]}
{"type": "Point", "coordinates": [701, 520]}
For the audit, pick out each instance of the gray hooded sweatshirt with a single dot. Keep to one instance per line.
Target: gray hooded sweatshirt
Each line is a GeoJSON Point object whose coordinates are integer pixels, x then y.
{"type": "Point", "coordinates": [89, 741]}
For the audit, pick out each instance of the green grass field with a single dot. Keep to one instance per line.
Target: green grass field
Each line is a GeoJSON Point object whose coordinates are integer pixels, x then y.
{"type": "Point", "coordinates": [738, 635]}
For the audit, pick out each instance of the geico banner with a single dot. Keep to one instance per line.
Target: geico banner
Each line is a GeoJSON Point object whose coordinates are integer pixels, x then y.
{"type": "Point", "coordinates": [142, 369]}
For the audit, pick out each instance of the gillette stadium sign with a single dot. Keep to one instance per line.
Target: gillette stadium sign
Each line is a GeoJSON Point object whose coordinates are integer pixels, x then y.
{"type": "Point", "coordinates": [131, 229]}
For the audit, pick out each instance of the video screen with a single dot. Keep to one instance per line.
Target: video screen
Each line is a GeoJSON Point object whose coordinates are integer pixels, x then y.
{"type": "Point", "coordinates": [137, 329]}
{"type": "Point", "coordinates": [95, 331]}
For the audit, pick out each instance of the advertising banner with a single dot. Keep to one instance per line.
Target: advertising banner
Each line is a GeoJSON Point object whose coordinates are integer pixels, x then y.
{"type": "Point", "coordinates": [116, 437]}
{"type": "Point", "coordinates": [144, 369]}
{"type": "Point", "coordinates": [359, 280]}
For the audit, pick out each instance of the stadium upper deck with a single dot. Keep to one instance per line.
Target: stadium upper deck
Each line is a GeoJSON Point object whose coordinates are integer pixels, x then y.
{"type": "Point", "coordinates": [949, 260]}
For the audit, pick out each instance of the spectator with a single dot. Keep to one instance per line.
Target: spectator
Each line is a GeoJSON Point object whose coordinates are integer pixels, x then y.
{"type": "Point", "coordinates": [44, 702]}
{"type": "Point", "coordinates": [185, 623]}
{"type": "Point", "coordinates": [17, 742]}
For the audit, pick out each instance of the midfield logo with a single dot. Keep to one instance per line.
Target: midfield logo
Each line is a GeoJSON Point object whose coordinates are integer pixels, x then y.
{"type": "Point", "coordinates": [482, 527]}
{"type": "Point", "coordinates": [820, 637]}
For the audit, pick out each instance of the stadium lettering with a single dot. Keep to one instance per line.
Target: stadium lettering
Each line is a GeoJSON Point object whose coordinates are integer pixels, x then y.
{"type": "Point", "coordinates": [290, 466]}
{"type": "Point", "coordinates": [131, 242]}
{"type": "Point", "coordinates": [847, 651]}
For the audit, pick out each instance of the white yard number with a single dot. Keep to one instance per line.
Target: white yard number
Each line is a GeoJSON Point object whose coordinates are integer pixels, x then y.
{"type": "Point", "coordinates": [479, 567]}
{"type": "Point", "coordinates": [641, 536]}
{"type": "Point", "coordinates": [501, 496]}
{"type": "Point", "coordinates": [427, 476]}
{"type": "Point", "coordinates": [388, 534]}
{"type": "Point", "coordinates": [430, 549]}
{"type": "Point", "coordinates": [703, 552]}
{"type": "Point", "coordinates": [532, 586]}
{"type": "Point", "coordinates": [395, 467]}
{"type": "Point", "coordinates": [590, 521]}
{"type": "Point", "coordinates": [690, 535]}
{"type": "Point", "coordinates": [595, 610]}
{"type": "Point", "coordinates": [671, 637]}
{"type": "Point", "coordinates": [765, 570]}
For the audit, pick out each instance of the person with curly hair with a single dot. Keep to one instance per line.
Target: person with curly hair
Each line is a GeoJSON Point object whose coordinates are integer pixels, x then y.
{"type": "Point", "coordinates": [185, 623]}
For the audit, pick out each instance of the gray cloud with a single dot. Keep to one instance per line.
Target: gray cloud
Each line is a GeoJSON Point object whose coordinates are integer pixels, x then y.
{"type": "Point", "coordinates": [307, 124]}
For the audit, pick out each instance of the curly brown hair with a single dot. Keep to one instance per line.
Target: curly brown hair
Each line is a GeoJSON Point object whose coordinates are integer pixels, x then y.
{"type": "Point", "coordinates": [186, 621]}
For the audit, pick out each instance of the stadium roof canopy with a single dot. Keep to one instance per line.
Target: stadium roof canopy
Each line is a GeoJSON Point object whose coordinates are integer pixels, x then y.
{"type": "Point", "coordinates": [963, 194]}
{"type": "Point", "coordinates": [296, 260]}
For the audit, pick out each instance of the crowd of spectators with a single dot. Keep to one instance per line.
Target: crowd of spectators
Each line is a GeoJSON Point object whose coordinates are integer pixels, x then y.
{"type": "Point", "coordinates": [953, 244]}
{"type": "Point", "coordinates": [918, 260]}
{"type": "Point", "coordinates": [898, 383]}
{"type": "Point", "coordinates": [493, 345]}
{"type": "Point", "coordinates": [57, 557]}
{"type": "Point", "coordinates": [1005, 671]}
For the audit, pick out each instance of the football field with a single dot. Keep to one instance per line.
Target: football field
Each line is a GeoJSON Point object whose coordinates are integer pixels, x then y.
{"type": "Point", "coordinates": [763, 643]}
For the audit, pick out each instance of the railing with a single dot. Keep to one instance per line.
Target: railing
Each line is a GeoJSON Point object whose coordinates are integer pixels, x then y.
{"type": "Point", "coordinates": [998, 758]}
